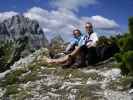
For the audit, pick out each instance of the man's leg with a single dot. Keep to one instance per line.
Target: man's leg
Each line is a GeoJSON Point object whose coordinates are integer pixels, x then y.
{"type": "Point", "coordinates": [92, 56]}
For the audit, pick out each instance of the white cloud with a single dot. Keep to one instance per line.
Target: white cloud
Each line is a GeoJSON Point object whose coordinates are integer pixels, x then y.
{"type": "Point", "coordinates": [55, 21]}
{"type": "Point", "coordinates": [63, 21]}
{"type": "Point", "coordinates": [100, 22]}
{"type": "Point", "coordinates": [6, 15]}
{"type": "Point", "coordinates": [72, 4]}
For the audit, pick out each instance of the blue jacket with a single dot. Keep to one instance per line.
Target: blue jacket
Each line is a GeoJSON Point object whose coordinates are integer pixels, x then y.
{"type": "Point", "coordinates": [79, 41]}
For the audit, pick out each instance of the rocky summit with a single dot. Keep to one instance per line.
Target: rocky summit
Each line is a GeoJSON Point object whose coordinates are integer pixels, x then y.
{"type": "Point", "coordinates": [31, 78]}
{"type": "Point", "coordinates": [19, 37]}
{"type": "Point", "coordinates": [18, 27]}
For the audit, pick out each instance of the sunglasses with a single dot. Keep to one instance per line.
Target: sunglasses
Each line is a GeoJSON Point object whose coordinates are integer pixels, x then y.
{"type": "Point", "coordinates": [88, 27]}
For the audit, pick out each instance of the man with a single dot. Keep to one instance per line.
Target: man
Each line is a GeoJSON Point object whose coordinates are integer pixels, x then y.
{"type": "Point", "coordinates": [85, 43]}
{"type": "Point", "coordinates": [88, 50]}
{"type": "Point", "coordinates": [92, 36]}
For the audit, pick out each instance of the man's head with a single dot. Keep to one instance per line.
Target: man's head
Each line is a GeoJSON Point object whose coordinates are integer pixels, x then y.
{"type": "Point", "coordinates": [88, 27]}
{"type": "Point", "coordinates": [76, 33]}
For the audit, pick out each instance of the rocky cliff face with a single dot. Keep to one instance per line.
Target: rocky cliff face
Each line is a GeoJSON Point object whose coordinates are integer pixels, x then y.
{"type": "Point", "coordinates": [18, 27]}
{"type": "Point", "coordinates": [19, 36]}
{"type": "Point", "coordinates": [57, 40]}
{"type": "Point", "coordinates": [57, 45]}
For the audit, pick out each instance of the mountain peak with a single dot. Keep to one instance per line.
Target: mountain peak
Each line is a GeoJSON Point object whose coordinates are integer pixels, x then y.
{"type": "Point", "coordinates": [18, 27]}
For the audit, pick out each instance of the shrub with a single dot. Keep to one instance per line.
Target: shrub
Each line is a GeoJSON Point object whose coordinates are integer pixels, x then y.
{"type": "Point", "coordinates": [125, 62]}
{"type": "Point", "coordinates": [128, 60]}
{"type": "Point", "coordinates": [10, 51]}
{"type": "Point", "coordinates": [6, 49]}
{"type": "Point", "coordinates": [125, 43]}
{"type": "Point", "coordinates": [130, 24]}
{"type": "Point", "coordinates": [125, 57]}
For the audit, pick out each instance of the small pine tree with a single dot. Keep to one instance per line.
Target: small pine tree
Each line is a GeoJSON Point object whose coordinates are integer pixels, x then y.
{"type": "Point", "coordinates": [10, 51]}
{"type": "Point", "coordinates": [130, 25]}
{"type": "Point", "coordinates": [125, 57]}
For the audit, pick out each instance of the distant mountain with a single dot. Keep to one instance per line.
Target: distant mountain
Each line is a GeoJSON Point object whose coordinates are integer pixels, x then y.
{"type": "Point", "coordinates": [57, 39]}
{"type": "Point", "coordinates": [19, 27]}
{"type": "Point", "coordinates": [19, 37]}
{"type": "Point", "coordinates": [56, 46]}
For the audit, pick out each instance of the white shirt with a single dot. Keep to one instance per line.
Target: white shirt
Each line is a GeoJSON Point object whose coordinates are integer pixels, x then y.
{"type": "Point", "coordinates": [93, 38]}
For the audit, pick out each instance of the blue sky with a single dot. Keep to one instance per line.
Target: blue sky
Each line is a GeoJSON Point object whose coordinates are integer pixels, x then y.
{"type": "Point", "coordinates": [116, 10]}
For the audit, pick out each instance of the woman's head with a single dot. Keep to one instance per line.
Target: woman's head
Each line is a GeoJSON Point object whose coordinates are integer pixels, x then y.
{"type": "Point", "coordinates": [76, 33]}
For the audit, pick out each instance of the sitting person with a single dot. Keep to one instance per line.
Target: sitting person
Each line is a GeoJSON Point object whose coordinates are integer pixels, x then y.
{"type": "Point", "coordinates": [88, 51]}
{"type": "Point", "coordinates": [84, 43]}
{"type": "Point", "coordinates": [71, 48]}
{"type": "Point", "coordinates": [74, 42]}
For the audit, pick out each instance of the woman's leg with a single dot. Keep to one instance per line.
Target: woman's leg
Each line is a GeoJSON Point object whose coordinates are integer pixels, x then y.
{"type": "Point", "coordinates": [65, 58]}
{"type": "Point", "coordinates": [59, 60]}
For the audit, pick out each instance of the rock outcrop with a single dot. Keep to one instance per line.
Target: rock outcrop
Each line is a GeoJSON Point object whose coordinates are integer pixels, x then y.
{"type": "Point", "coordinates": [30, 79]}
{"type": "Point", "coordinates": [18, 27]}
{"type": "Point", "coordinates": [19, 36]}
{"type": "Point", "coordinates": [57, 45]}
